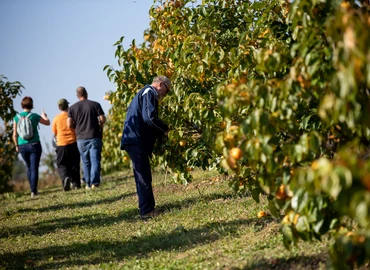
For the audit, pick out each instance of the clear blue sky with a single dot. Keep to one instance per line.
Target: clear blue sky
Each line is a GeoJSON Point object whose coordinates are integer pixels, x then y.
{"type": "Point", "coordinates": [54, 46]}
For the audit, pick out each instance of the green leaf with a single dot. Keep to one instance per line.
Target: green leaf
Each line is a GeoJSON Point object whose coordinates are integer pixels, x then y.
{"type": "Point", "coordinates": [120, 41]}
{"type": "Point", "coordinates": [317, 226]}
{"type": "Point", "coordinates": [140, 78]}
{"type": "Point", "coordinates": [302, 224]}
{"type": "Point", "coordinates": [203, 11]}
{"type": "Point", "coordinates": [362, 211]}
{"type": "Point", "coordinates": [314, 142]}
{"type": "Point", "coordinates": [287, 235]}
{"type": "Point", "coordinates": [258, 5]}
{"type": "Point", "coordinates": [273, 209]}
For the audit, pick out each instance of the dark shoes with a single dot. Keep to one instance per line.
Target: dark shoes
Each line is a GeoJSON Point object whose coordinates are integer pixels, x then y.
{"type": "Point", "coordinates": [75, 186]}
{"type": "Point", "coordinates": [67, 183]}
{"type": "Point", "coordinates": [150, 215]}
{"type": "Point", "coordinates": [34, 194]}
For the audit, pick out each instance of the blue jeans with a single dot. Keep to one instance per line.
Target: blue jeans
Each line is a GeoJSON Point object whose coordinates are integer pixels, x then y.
{"type": "Point", "coordinates": [90, 151]}
{"type": "Point", "coordinates": [31, 154]}
{"type": "Point", "coordinates": [143, 177]}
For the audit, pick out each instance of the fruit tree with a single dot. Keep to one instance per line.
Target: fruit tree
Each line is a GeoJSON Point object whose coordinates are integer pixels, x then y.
{"type": "Point", "coordinates": [8, 91]}
{"type": "Point", "coordinates": [273, 94]}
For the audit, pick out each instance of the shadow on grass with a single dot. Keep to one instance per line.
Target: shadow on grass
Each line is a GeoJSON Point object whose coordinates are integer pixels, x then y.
{"type": "Point", "coordinates": [97, 220]}
{"type": "Point", "coordinates": [76, 205]}
{"type": "Point", "coordinates": [116, 179]}
{"type": "Point", "coordinates": [184, 203]}
{"type": "Point", "coordinates": [41, 228]}
{"type": "Point", "coordinates": [42, 192]}
{"type": "Point", "coordinates": [59, 189]}
{"type": "Point", "coordinates": [299, 262]}
{"type": "Point", "coordinates": [51, 190]}
{"type": "Point", "coordinates": [98, 252]}
{"type": "Point", "coordinates": [53, 225]}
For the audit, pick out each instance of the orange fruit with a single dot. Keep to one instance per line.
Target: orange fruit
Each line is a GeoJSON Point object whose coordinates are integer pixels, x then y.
{"type": "Point", "coordinates": [232, 162]}
{"type": "Point", "coordinates": [315, 165]}
{"type": "Point", "coordinates": [295, 220]}
{"type": "Point", "coordinates": [261, 214]}
{"type": "Point", "coordinates": [286, 220]}
{"type": "Point", "coordinates": [234, 128]}
{"type": "Point", "coordinates": [236, 153]}
{"type": "Point", "coordinates": [280, 193]}
{"type": "Point", "coordinates": [182, 143]}
{"type": "Point", "coordinates": [229, 138]}
{"type": "Point", "coordinates": [345, 5]}
{"type": "Point", "coordinates": [366, 181]}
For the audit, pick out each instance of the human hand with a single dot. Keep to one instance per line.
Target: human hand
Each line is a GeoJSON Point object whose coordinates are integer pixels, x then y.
{"type": "Point", "coordinates": [43, 114]}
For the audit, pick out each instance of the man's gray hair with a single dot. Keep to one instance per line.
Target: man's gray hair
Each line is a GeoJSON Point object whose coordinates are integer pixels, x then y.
{"type": "Point", "coordinates": [163, 79]}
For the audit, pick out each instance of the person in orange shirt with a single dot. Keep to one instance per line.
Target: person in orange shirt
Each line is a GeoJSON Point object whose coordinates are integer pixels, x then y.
{"type": "Point", "coordinates": [68, 156]}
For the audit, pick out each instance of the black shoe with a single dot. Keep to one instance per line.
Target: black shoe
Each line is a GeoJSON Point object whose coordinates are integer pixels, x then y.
{"type": "Point", "coordinates": [150, 215]}
{"type": "Point", "coordinates": [67, 183]}
{"type": "Point", "coordinates": [74, 187]}
{"type": "Point", "coordinates": [34, 194]}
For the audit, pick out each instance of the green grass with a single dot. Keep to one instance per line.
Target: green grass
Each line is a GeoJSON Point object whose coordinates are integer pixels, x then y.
{"type": "Point", "coordinates": [204, 226]}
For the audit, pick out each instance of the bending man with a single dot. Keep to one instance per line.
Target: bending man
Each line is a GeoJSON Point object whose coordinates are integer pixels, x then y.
{"type": "Point", "coordinates": [141, 128]}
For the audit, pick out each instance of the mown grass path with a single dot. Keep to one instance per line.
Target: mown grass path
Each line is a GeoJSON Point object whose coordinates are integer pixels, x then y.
{"type": "Point", "coordinates": [204, 226]}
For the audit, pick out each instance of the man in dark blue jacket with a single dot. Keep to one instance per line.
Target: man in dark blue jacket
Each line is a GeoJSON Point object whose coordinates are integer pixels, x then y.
{"type": "Point", "coordinates": [141, 129]}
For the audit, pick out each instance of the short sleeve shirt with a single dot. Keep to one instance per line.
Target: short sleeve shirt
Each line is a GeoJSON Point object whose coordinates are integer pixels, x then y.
{"type": "Point", "coordinates": [65, 135]}
{"type": "Point", "coordinates": [85, 114]}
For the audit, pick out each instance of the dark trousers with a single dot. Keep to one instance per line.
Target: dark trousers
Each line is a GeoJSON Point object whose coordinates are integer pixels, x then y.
{"type": "Point", "coordinates": [31, 154]}
{"type": "Point", "coordinates": [143, 177]}
{"type": "Point", "coordinates": [68, 163]}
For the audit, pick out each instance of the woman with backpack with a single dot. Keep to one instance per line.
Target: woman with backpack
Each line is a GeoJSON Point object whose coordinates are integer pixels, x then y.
{"type": "Point", "coordinates": [27, 141]}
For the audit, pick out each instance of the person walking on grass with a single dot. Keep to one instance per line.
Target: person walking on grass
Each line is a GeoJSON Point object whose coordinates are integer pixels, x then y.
{"type": "Point", "coordinates": [27, 140]}
{"type": "Point", "coordinates": [68, 156]}
{"type": "Point", "coordinates": [87, 117]}
{"type": "Point", "coordinates": [141, 129]}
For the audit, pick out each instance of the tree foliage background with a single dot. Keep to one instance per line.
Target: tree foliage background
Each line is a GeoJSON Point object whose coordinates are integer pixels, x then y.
{"type": "Point", "coordinates": [8, 91]}
{"type": "Point", "coordinates": [273, 94]}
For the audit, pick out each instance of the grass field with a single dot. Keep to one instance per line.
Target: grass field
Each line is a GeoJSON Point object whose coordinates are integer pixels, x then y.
{"type": "Point", "coordinates": [203, 226]}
